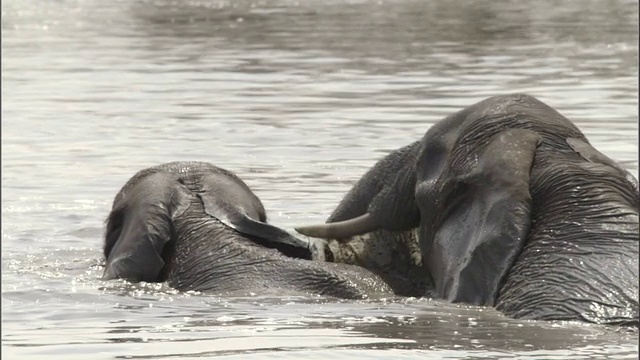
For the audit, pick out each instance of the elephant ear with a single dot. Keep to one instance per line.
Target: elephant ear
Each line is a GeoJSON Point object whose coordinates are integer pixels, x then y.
{"type": "Point", "coordinates": [486, 220]}
{"type": "Point", "coordinates": [140, 226]}
{"type": "Point", "coordinates": [230, 201]}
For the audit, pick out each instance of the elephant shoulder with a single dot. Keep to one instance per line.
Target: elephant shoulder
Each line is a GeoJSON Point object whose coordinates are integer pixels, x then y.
{"type": "Point", "coordinates": [597, 161]}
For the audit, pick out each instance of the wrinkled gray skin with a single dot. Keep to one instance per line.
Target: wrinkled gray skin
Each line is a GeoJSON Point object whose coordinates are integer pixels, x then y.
{"type": "Point", "coordinates": [199, 227]}
{"type": "Point", "coordinates": [510, 206]}
{"type": "Point", "coordinates": [392, 250]}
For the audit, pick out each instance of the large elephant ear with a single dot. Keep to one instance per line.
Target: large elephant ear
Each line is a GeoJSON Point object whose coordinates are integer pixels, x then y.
{"type": "Point", "coordinates": [485, 222]}
{"type": "Point", "coordinates": [230, 201]}
{"type": "Point", "coordinates": [140, 226]}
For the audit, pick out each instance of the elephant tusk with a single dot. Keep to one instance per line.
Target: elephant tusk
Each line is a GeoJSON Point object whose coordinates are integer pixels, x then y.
{"type": "Point", "coordinates": [342, 229]}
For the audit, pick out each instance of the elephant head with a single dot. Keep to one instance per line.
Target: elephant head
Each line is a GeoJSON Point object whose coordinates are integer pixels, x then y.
{"type": "Point", "coordinates": [512, 207]}
{"type": "Point", "coordinates": [379, 217]}
{"type": "Point", "coordinates": [200, 227]}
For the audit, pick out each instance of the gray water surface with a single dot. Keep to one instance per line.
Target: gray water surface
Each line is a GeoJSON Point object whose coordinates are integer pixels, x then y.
{"type": "Point", "coordinates": [299, 98]}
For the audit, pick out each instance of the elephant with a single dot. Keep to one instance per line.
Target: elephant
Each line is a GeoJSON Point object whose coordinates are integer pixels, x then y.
{"type": "Point", "coordinates": [504, 203]}
{"type": "Point", "coordinates": [200, 227]}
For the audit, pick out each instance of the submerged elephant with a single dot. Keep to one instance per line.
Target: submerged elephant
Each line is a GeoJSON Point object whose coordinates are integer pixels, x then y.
{"type": "Point", "coordinates": [505, 204]}
{"type": "Point", "coordinates": [200, 227]}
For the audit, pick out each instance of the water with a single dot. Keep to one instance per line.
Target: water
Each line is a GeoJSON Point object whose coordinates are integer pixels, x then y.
{"type": "Point", "coordinates": [299, 99]}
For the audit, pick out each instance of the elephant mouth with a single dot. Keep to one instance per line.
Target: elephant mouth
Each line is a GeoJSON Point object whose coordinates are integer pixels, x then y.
{"type": "Point", "coordinates": [394, 256]}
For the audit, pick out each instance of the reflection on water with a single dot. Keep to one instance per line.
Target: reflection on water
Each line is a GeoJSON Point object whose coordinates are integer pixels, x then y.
{"type": "Point", "coordinates": [191, 325]}
{"type": "Point", "coordinates": [298, 98]}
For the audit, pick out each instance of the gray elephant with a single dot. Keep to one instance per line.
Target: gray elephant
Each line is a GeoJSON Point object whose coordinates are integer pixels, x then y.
{"type": "Point", "coordinates": [504, 203]}
{"type": "Point", "coordinates": [199, 227]}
